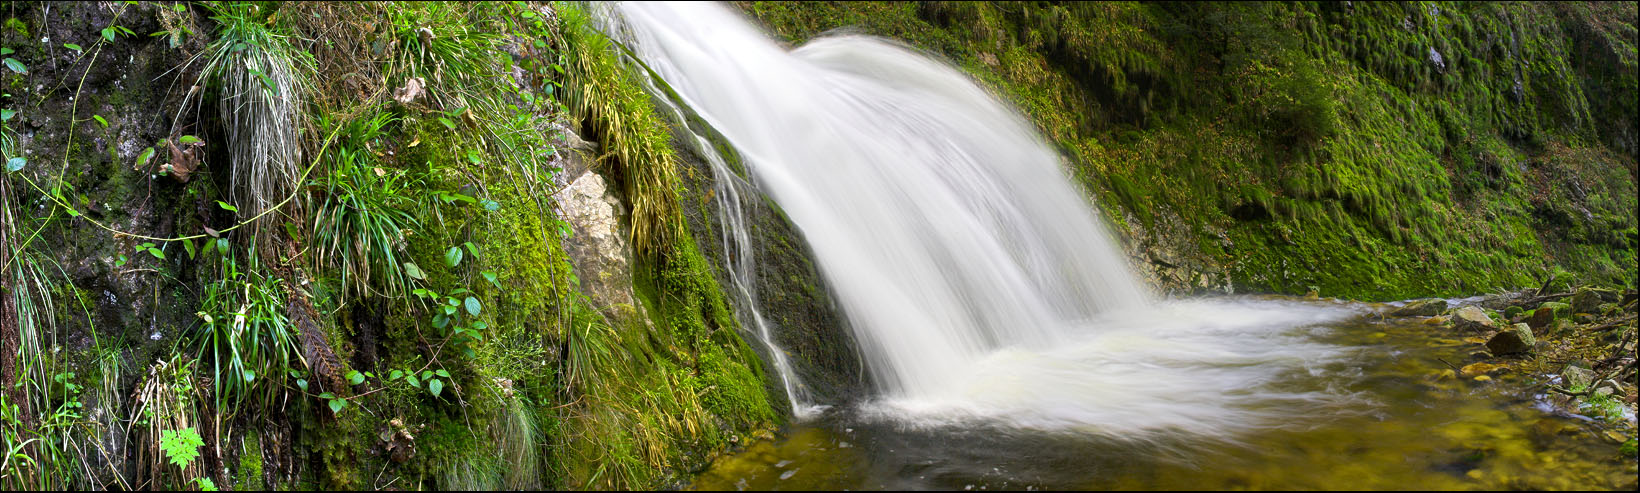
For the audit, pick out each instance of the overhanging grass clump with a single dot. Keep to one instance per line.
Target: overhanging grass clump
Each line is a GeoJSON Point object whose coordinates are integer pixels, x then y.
{"type": "Point", "coordinates": [261, 78]}
{"type": "Point", "coordinates": [615, 110]}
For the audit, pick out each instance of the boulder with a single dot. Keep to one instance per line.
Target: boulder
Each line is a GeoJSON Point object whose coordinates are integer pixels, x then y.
{"type": "Point", "coordinates": [1473, 319]}
{"type": "Point", "coordinates": [1577, 376]}
{"type": "Point", "coordinates": [1421, 308]}
{"type": "Point", "coordinates": [1514, 340]}
{"type": "Point", "coordinates": [1588, 300]}
{"type": "Point", "coordinates": [1561, 310]}
{"type": "Point", "coordinates": [1541, 318]}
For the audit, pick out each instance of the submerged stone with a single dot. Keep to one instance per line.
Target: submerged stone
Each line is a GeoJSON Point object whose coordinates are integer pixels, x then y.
{"type": "Point", "coordinates": [1421, 308]}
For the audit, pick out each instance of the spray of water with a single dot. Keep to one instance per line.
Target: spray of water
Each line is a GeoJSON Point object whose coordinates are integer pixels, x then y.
{"type": "Point", "coordinates": [980, 283]}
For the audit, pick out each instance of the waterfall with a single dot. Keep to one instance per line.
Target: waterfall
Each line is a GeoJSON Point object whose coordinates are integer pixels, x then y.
{"type": "Point", "coordinates": [979, 280]}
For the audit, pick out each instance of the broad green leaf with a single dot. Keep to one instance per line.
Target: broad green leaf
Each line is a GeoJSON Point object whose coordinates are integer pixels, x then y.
{"type": "Point", "coordinates": [471, 248]}
{"type": "Point", "coordinates": [189, 246]}
{"type": "Point", "coordinates": [336, 405]}
{"type": "Point", "coordinates": [108, 34]}
{"type": "Point", "coordinates": [6, 51]}
{"type": "Point", "coordinates": [189, 139]}
{"type": "Point", "coordinates": [222, 245]}
{"type": "Point", "coordinates": [226, 207]}
{"type": "Point", "coordinates": [414, 382]}
{"type": "Point", "coordinates": [472, 155]}
{"type": "Point", "coordinates": [453, 256]}
{"type": "Point", "coordinates": [250, 376]}
{"type": "Point", "coordinates": [354, 377]}
{"type": "Point", "coordinates": [395, 375]}
{"type": "Point", "coordinates": [15, 65]}
{"type": "Point", "coordinates": [445, 121]}
{"type": "Point", "coordinates": [100, 120]}
{"type": "Point", "coordinates": [156, 253]}
{"type": "Point", "coordinates": [72, 46]}
{"type": "Point", "coordinates": [414, 272]}
{"type": "Point", "coordinates": [5, 115]}
{"type": "Point", "coordinates": [435, 386]}
{"type": "Point", "coordinates": [142, 159]}
{"type": "Point", "coordinates": [489, 275]}
{"type": "Point", "coordinates": [472, 306]}
{"type": "Point", "coordinates": [442, 373]}
{"type": "Point", "coordinates": [16, 163]}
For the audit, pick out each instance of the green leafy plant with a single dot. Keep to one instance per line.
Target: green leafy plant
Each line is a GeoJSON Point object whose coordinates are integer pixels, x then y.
{"type": "Point", "coordinates": [364, 213]}
{"type": "Point", "coordinates": [248, 335]}
{"type": "Point", "coordinates": [181, 447]}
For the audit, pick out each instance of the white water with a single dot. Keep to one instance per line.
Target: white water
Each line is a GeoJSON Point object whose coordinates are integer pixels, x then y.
{"type": "Point", "coordinates": [979, 281]}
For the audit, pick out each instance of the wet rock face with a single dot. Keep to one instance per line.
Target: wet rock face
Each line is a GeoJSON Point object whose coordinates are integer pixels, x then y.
{"type": "Point", "coordinates": [135, 85]}
{"type": "Point", "coordinates": [796, 301]}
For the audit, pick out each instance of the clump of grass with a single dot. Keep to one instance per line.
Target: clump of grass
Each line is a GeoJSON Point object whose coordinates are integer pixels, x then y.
{"type": "Point", "coordinates": [359, 223]}
{"type": "Point", "coordinates": [515, 440]}
{"type": "Point", "coordinates": [261, 78]}
{"type": "Point", "coordinates": [613, 108]}
{"type": "Point", "coordinates": [248, 335]}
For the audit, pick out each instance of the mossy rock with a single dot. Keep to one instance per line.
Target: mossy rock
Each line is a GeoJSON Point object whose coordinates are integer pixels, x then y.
{"type": "Point", "coordinates": [1561, 310]}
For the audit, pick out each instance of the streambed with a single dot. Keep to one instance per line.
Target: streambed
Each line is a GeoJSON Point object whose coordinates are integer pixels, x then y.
{"type": "Point", "coordinates": [1403, 419]}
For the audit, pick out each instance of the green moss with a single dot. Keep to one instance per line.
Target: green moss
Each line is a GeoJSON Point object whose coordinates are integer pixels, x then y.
{"type": "Point", "coordinates": [248, 476]}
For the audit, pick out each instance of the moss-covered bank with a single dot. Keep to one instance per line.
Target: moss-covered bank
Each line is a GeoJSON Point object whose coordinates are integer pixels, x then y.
{"type": "Point", "coordinates": [406, 313]}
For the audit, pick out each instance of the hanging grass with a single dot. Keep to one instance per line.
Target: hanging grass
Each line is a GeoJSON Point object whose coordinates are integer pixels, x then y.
{"type": "Point", "coordinates": [616, 111]}
{"type": "Point", "coordinates": [261, 79]}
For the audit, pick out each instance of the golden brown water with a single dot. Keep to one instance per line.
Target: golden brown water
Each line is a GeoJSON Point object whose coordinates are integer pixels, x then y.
{"type": "Point", "coordinates": [1424, 426]}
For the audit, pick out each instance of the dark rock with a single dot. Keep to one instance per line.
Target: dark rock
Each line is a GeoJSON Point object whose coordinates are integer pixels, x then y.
{"type": "Point", "coordinates": [1421, 308]}
{"type": "Point", "coordinates": [1472, 319]}
{"type": "Point", "coordinates": [1541, 318]}
{"type": "Point", "coordinates": [1515, 340]}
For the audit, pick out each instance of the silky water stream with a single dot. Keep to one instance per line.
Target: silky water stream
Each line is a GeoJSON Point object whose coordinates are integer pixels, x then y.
{"type": "Point", "coordinates": [1009, 344]}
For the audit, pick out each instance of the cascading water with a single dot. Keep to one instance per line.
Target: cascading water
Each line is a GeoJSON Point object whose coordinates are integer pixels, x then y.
{"type": "Point", "coordinates": [979, 281]}
{"type": "Point", "coordinates": [739, 258]}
